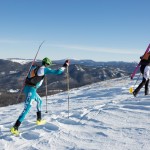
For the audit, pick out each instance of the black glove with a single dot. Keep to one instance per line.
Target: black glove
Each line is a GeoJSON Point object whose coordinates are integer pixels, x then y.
{"type": "Point", "coordinates": [67, 62]}
{"type": "Point", "coordinates": [141, 57]}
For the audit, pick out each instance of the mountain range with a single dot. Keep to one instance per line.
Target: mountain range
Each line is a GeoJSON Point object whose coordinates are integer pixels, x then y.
{"type": "Point", "coordinates": [81, 72]}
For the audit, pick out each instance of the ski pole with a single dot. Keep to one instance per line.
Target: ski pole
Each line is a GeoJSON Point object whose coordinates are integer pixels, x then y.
{"type": "Point", "coordinates": [68, 88]}
{"type": "Point", "coordinates": [29, 71]}
{"type": "Point", "coordinates": [132, 88]}
{"type": "Point", "coordinates": [137, 80]}
{"type": "Point", "coordinates": [46, 93]}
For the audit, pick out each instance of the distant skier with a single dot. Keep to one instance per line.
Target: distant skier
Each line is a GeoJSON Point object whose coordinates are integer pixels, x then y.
{"type": "Point", "coordinates": [145, 60]}
{"type": "Point", "coordinates": [145, 70]}
{"type": "Point", "coordinates": [32, 83]}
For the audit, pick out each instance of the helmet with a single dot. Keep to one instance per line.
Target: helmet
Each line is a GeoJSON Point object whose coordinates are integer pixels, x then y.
{"type": "Point", "coordinates": [46, 61]}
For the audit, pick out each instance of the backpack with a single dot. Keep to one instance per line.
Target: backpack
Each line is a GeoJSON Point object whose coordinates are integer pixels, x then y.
{"type": "Point", "coordinates": [32, 78]}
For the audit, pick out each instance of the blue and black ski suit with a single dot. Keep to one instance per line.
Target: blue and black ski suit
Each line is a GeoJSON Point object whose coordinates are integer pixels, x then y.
{"type": "Point", "coordinates": [30, 89]}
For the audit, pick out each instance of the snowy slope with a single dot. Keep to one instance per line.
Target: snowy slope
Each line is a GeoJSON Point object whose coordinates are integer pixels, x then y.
{"type": "Point", "coordinates": [103, 116]}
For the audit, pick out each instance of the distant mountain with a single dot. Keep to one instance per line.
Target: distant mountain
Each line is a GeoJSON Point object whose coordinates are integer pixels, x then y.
{"type": "Point", "coordinates": [127, 66]}
{"type": "Point", "coordinates": [81, 72]}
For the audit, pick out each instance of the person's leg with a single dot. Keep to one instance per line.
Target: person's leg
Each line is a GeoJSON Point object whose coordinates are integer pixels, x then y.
{"type": "Point", "coordinates": [146, 87]}
{"type": "Point", "coordinates": [39, 105]}
{"type": "Point", "coordinates": [39, 121]}
{"type": "Point", "coordinates": [27, 107]}
{"type": "Point", "coordinates": [24, 113]}
{"type": "Point", "coordinates": [28, 102]}
{"type": "Point", "coordinates": [135, 92]}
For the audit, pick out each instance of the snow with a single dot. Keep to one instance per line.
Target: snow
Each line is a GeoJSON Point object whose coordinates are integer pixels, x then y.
{"type": "Point", "coordinates": [21, 61]}
{"type": "Point", "coordinates": [2, 73]}
{"type": "Point", "coordinates": [102, 116]}
{"type": "Point", "coordinates": [79, 68]}
{"type": "Point", "coordinates": [12, 72]}
{"type": "Point", "coordinates": [13, 91]}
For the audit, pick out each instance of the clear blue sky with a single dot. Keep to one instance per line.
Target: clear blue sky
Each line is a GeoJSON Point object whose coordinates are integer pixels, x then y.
{"type": "Point", "coordinates": [101, 30]}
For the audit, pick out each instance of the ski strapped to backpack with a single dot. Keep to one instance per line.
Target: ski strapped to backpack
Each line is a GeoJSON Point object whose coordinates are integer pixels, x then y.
{"type": "Point", "coordinates": [30, 69]}
{"type": "Point", "coordinates": [137, 67]}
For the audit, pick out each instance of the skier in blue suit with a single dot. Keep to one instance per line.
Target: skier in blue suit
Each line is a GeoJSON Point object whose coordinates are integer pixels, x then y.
{"type": "Point", "coordinates": [33, 81]}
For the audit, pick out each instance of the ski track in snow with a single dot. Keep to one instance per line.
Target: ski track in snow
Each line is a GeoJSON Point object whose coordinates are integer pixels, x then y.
{"type": "Point", "coordinates": [102, 116]}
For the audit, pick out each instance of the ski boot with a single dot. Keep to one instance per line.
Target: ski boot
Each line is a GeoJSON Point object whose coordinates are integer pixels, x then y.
{"type": "Point", "coordinates": [39, 120]}
{"type": "Point", "coordinates": [14, 129]}
{"type": "Point", "coordinates": [134, 93]}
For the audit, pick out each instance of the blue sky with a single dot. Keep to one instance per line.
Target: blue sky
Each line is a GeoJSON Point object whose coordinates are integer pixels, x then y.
{"type": "Point", "coordinates": [101, 30]}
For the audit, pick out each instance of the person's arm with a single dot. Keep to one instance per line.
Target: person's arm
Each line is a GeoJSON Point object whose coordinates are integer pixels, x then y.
{"type": "Point", "coordinates": [58, 71]}
{"type": "Point", "coordinates": [54, 71]}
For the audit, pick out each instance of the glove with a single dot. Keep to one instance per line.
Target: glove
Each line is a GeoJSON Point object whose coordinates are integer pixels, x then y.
{"type": "Point", "coordinates": [141, 57]}
{"type": "Point", "coordinates": [67, 62]}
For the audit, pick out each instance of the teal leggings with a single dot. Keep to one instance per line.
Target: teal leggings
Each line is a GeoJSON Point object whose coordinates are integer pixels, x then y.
{"type": "Point", "coordinates": [31, 95]}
